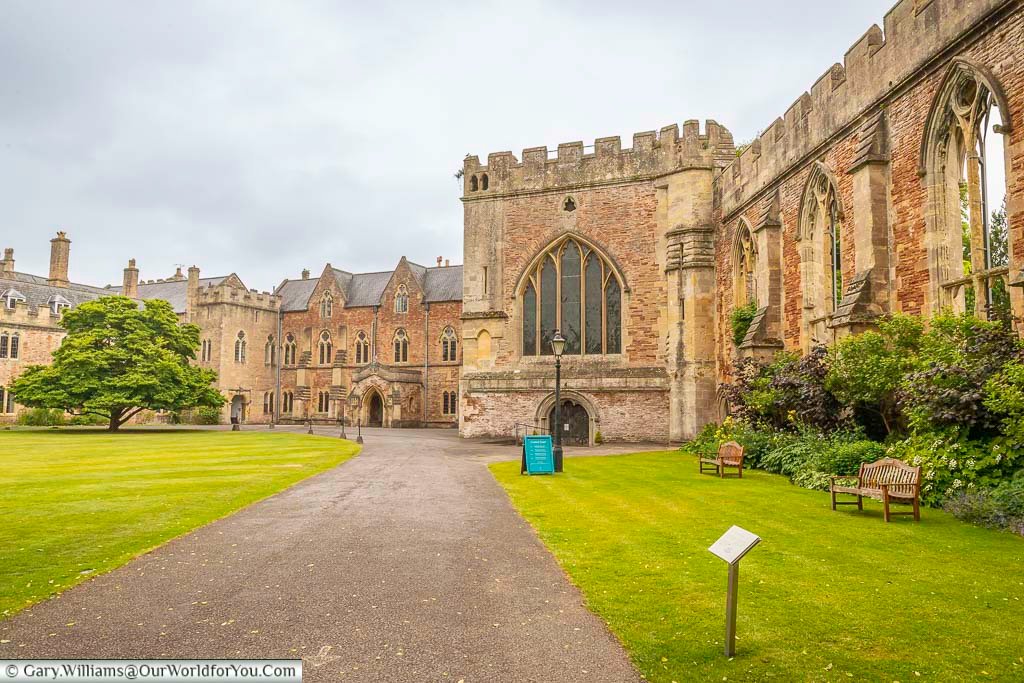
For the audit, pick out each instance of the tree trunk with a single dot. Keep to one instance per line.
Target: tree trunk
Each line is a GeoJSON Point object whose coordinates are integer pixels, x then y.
{"type": "Point", "coordinates": [115, 420]}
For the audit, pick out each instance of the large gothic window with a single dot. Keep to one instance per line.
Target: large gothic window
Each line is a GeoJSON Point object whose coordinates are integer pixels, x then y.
{"type": "Point", "coordinates": [572, 288]}
{"type": "Point", "coordinates": [821, 254]}
{"type": "Point", "coordinates": [362, 349]}
{"type": "Point", "coordinates": [745, 270]}
{"type": "Point", "coordinates": [326, 306]}
{"type": "Point", "coordinates": [401, 347]}
{"type": "Point", "coordinates": [289, 349]}
{"type": "Point", "coordinates": [449, 345]}
{"type": "Point", "coordinates": [964, 166]}
{"type": "Point", "coordinates": [325, 348]}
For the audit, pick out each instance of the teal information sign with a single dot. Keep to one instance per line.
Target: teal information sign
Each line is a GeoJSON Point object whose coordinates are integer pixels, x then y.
{"type": "Point", "coordinates": [537, 455]}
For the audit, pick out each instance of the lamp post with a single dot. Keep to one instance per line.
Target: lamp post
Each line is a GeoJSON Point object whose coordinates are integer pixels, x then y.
{"type": "Point", "coordinates": [557, 347]}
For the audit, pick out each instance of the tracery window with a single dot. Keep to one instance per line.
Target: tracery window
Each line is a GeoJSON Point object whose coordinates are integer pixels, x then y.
{"type": "Point", "coordinates": [240, 348]}
{"type": "Point", "coordinates": [287, 400]}
{"type": "Point", "coordinates": [269, 351]}
{"type": "Point", "coordinates": [289, 349]}
{"type": "Point", "coordinates": [401, 347]}
{"type": "Point", "coordinates": [821, 254]}
{"type": "Point", "coordinates": [745, 268]}
{"type": "Point", "coordinates": [326, 306]}
{"type": "Point", "coordinates": [362, 349]}
{"type": "Point", "coordinates": [449, 345]}
{"type": "Point", "coordinates": [402, 299]}
{"type": "Point", "coordinates": [573, 288]}
{"type": "Point", "coordinates": [325, 348]}
{"type": "Point", "coordinates": [964, 165]}
{"type": "Point", "coordinates": [323, 403]}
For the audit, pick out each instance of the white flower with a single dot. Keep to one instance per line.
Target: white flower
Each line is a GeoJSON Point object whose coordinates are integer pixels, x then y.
{"type": "Point", "coordinates": [930, 474]}
{"type": "Point", "coordinates": [917, 459]}
{"type": "Point", "coordinates": [971, 463]}
{"type": "Point", "coordinates": [927, 487]}
{"type": "Point", "coordinates": [952, 464]}
{"type": "Point", "coordinates": [957, 483]}
{"type": "Point", "coordinates": [970, 485]}
{"type": "Point", "coordinates": [999, 458]}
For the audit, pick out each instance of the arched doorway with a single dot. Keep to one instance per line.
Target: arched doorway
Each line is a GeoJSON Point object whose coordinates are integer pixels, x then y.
{"type": "Point", "coordinates": [375, 410]}
{"type": "Point", "coordinates": [575, 423]}
{"type": "Point", "coordinates": [237, 409]}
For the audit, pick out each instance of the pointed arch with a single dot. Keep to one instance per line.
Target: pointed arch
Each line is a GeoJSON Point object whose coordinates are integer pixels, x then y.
{"type": "Point", "coordinates": [401, 342]}
{"type": "Point", "coordinates": [326, 348]}
{"type": "Point", "coordinates": [449, 345]}
{"type": "Point", "coordinates": [745, 262]}
{"type": "Point", "coordinates": [573, 286]}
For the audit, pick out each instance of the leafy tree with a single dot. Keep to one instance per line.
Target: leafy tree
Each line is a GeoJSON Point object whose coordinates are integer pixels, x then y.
{"type": "Point", "coordinates": [119, 359]}
{"type": "Point", "coordinates": [867, 370]}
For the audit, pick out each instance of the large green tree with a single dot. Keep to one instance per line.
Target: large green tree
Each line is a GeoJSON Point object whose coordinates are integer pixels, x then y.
{"type": "Point", "coordinates": [119, 359]}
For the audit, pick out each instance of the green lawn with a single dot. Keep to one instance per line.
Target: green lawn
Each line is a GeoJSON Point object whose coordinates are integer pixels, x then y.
{"type": "Point", "coordinates": [831, 596]}
{"type": "Point", "coordinates": [75, 504]}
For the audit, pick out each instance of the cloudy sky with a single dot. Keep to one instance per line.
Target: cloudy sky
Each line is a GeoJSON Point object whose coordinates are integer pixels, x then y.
{"type": "Point", "coordinates": [264, 137]}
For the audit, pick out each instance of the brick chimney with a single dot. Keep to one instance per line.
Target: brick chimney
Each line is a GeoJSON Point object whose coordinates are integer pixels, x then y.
{"type": "Point", "coordinates": [7, 265]}
{"type": "Point", "coordinates": [439, 259]}
{"type": "Point", "coordinates": [305, 273]}
{"type": "Point", "coordinates": [178, 275]}
{"type": "Point", "coordinates": [60, 248]}
{"type": "Point", "coordinates": [192, 295]}
{"type": "Point", "coordinates": [131, 281]}
{"type": "Point", "coordinates": [446, 263]}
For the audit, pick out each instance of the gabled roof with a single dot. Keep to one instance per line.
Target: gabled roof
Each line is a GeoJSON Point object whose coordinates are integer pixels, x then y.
{"type": "Point", "coordinates": [366, 289]}
{"type": "Point", "coordinates": [443, 284]}
{"type": "Point", "coordinates": [295, 293]}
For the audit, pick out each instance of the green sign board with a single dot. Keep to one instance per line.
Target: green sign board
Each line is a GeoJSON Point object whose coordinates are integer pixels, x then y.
{"type": "Point", "coordinates": [537, 455]}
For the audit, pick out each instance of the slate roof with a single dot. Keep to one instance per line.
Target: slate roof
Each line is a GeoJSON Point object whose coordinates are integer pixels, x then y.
{"type": "Point", "coordinates": [38, 291]}
{"type": "Point", "coordinates": [174, 292]}
{"type": "Point", "coordinates": [366, 289]}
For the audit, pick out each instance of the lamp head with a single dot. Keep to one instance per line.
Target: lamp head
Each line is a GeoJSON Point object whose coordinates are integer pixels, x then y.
{"type": "Point", "coordinates": [558, 344]}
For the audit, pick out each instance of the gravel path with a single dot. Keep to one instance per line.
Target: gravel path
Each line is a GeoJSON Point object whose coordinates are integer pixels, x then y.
{"type": "Point", "coordinates": [407, 563]}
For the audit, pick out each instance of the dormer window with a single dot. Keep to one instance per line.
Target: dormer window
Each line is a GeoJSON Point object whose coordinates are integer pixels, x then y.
{"type": "Point", "coordinates": [11, 298]}
{"type": "Point", "coordinates": [58, 304]}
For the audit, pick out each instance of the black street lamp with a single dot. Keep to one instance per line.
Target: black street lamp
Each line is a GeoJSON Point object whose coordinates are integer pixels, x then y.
{"type": "Point", "coordinates": [557, 347]}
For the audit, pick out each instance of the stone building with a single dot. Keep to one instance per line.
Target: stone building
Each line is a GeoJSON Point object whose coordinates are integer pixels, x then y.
{"type": "Point", "coordinates": [873, 194]}
{"type": "Point", "coordinates": [380, 348]}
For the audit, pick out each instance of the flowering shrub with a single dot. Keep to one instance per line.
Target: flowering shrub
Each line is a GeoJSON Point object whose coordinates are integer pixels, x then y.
{"type": "Point", "coordinates": [1001, 507]}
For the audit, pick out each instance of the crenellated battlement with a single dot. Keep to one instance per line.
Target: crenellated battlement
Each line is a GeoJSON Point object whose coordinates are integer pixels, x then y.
{"type": "Point", "coordinates": [30, 315]}
{"type": "Point", "coordinates": [221, 294]}
{"type": "Point", "coordinates": [915, 32]}
{"type": "Point", "coordinates": [653, 153]}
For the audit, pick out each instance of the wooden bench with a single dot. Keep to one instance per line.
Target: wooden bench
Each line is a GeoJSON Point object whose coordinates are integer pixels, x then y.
{"type": "Point", "coordinates": [730, 454]}
{"type": "Point", "coordinates": [887, 480]}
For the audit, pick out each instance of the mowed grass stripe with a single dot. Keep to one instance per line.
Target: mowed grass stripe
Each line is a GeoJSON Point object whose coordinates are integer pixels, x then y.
{"type": "Point", "coordinates": [825, 595]}
{"type": "Point", "coordinates": [89, 501]}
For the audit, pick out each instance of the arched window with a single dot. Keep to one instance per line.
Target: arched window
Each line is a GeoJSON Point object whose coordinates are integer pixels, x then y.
{"type": "Point", "coordinates": [323, 403]}
{"type": "Point", "coordinates": [240, 348]}
{"type": "Point", "coordinates": [484, 181]}
{"type": "Point", "coordinates": [206, 351]}
{"type": "Point", "coordinates": [401, 347]}
{"type": "Point", "coordinates": [473, 186]}
{"type": "Point", "coordinates": [325, 347]}
{"type": "Point", "coordinates": [402, 299]}
{"type": "Point", "coordinates": [6, 401]}
{"type": "Point", "coordinates": [821, 254]}
{"type": "Point", "coordinates": [5, 344]}
{"type": "Point", "coordinates": [963, 162]}
{"type": "Point", "coordinates": [449, 403]}
{"type": "Point", "coordinates": [269, 352]}
{"type": "Point", "coordinates": [326, 306]}
{"type": "Point", "coordinates": [268, 402]}
{"type": "Point", "coordinates": [573, 288]}
{"type": "Point", "coordinates": [362, 349]}
{"type": "Point", "coordinates": [745, 259]}
{"type": "Point", "coordinates": [449, 345]}
{"type": "Point", "coordinates": [287, 398]}
{"type": "Point", "coordinates": [289, 349]}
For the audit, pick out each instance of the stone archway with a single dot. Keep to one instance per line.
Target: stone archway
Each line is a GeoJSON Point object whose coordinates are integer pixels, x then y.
{"type": "Point", "coordinates": [238, 409]}
{"type": "Point", "coordinates": [579, 414]}
{"type": "Point", "coordinates": [373, 408]}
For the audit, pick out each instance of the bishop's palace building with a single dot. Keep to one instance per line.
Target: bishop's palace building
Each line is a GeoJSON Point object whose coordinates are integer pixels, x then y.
{"type": "Point", "coordinates": [872, 194]}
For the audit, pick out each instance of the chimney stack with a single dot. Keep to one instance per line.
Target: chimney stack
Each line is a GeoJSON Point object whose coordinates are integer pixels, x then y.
{"type": "Point", "coordinates": [192, 293]}
{"type": "Point", "coordinates": [446, 263]}
{"type": "Point", "coordinates": [60, 248]}
{"type": "Point", "coordinates": [131, 281]}
{"type": "Point", "coordinates": [7, 265]}
{"type": "Point", "coordinates": [439, 259]}
{"type": "Point", "coordinates": [178, 275]}
{"type": "Point", "coordinates": [305, 273]}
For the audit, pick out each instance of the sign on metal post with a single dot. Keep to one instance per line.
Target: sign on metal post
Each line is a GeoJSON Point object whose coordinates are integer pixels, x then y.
{"type": "Point", "coordinates": [731, 547]}
{"type": "Point", "coordinates": [538, 457]}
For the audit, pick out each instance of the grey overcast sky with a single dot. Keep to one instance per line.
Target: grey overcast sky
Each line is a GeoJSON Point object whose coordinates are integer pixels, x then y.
{"type": "Point", "coordinates": [264, 137]}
